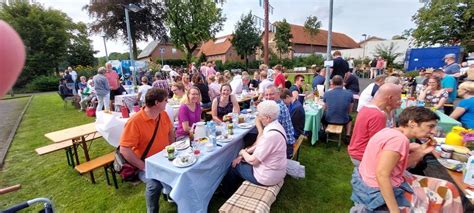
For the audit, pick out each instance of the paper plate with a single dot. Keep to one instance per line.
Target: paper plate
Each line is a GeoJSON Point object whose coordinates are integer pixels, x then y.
{"type": "Point", "coordinates": [221, 139]}
{"type": "Point", "coordinates": [245, 125]}
{"type": "Point", "coordinates": [182, 144]}
{"type": "Point", "coordinates": [184, 161]}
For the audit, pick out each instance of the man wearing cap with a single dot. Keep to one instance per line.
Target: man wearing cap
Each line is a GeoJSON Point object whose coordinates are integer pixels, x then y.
{"type": "Point", "coordinates": [448, 83]}
{"type": "Point", "coordinates": [451, 68]}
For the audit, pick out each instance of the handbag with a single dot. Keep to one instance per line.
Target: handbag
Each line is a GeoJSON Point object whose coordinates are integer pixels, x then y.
{"type": "Point", "coordinates": [90, 111]}
{"type": "Point", "coordinates": [127, 171]}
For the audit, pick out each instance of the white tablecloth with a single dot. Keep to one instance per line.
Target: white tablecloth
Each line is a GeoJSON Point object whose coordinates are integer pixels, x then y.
{"type": "Point", "coordinates": [192, 187]}
{"type": "Point", "coordinates": [110, 126]}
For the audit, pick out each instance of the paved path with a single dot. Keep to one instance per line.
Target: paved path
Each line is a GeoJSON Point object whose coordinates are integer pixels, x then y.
{"type": "Point", "coordinates": [10, 112]}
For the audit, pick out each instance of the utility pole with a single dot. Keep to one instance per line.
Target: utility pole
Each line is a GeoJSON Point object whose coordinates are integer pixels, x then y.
{"type": "Point", "coordinates": [328, 53]}
{"type": "Point", "coordinates": [265, 36]}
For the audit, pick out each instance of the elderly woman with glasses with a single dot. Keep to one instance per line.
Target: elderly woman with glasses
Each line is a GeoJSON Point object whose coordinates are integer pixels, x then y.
{"type": "Point", "coordinates": [433, 94]}
{"type": "Point", "coordinates": [464, 112]}
{"type": "Point", "coordinates": [264, 163]}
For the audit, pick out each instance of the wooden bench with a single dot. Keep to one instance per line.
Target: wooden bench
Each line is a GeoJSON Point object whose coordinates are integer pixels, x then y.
{"type": "Point", "coordinates": [334, 129]}
{"type": "Point", "coordinates": [297, 146]}
{"type": "Point", "coordinates": [252, 198]}
{"type": "Point", "coordinates": [67, 145]}
{"type": "Point", "coordinates": [105, 161]}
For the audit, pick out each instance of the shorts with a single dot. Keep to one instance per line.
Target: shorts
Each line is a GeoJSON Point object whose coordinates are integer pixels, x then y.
{"type": "Point", "coordinates": [113, 93]}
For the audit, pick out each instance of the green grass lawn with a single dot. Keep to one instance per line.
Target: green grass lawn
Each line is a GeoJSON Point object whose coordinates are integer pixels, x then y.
{"type": "Point", "coordinates": [326, 187]}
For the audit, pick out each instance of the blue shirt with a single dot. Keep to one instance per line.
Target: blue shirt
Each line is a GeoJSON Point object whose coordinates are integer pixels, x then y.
{"type": "Point", "coordinates": [338, 102]}
{"type": "Point", "coordinates": [450, 82]}
{"type": "Point", "coordinates": [467, 119]}
{"type": "Point", "coordinates": [452, 68]}
{"type": "Point", "coordinates": [300, 91]}
{"type": "Point", "coordinates": [285, 121]}
{"type": "Point", "coordinates": [297, 117]}
{"type": "Point", "coordinates": [318, 80]}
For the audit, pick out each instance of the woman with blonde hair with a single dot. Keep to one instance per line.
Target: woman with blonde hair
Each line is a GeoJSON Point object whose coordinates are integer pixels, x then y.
{"type": "Point", "coordinates": [189, 112]}
{"type": "Point", "coordinates": [178, 92]}
{"type": "Point", "coordinates": [464, 112]}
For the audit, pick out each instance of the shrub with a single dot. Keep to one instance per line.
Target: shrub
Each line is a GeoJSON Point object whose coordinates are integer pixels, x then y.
{"type": "Point", "coordinates": [174, 62]}
{"type": "Point", "coordinates": [87, 71]}
{"type": "Point", "coordinates": [43, 84]}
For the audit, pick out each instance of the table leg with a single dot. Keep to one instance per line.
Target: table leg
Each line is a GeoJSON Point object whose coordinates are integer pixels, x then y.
{"type": "Point", "coordinates": [86, 155]}
{"type": "Point", "coordinates": [74, 146]}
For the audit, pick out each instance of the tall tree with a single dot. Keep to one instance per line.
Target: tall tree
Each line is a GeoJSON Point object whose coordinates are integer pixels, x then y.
{"type": "Point", "coordinates": [192, 22]}
{"type": "Point", "coordinates": [110, 19]}
{"type": "Point", "coordinates": [388, 53]}
{"type": "Point", "coordinates": [446, 23]}
{"type": "Point", "coordinates": [312, 25]}
{"type": "Point", "coordinates": [246, 37]}
{"type": "Point", "coordinates": [45, 33]}
{"type": "Point", "coordinates": [283, 36]}
{"type": "Point", "coordinates": [80, 50]}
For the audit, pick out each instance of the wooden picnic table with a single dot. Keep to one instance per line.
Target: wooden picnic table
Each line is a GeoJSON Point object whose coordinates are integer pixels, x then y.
{"type": "Point", "coordinates": [79, 135]}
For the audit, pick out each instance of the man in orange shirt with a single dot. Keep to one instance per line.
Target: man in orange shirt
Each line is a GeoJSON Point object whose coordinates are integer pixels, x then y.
{"type": "Point", "coordinates": [139, 131]}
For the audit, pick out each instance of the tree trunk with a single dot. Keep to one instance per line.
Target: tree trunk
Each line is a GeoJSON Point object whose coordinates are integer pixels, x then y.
{"type": "Point", "coordinates": [246, 62]}
{"type": "Point", "coordinates": [189, 56]}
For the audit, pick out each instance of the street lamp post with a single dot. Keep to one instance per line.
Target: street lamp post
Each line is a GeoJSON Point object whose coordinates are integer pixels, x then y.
{"type": "Point", "coordinates": [363, 53]}
{"type": "Point", "coordinates": [134, 8]}
{"type": "Point", "coordinates": [104, 36]}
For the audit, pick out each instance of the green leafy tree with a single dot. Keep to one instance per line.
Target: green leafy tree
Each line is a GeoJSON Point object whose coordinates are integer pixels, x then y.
{"type": "Point", "coordinates": [312, 25]}
{"type": "Point", "coordinates": [283, 36]}
{"type": "Point", "coordinates": [202, 58]}
{"type": "Point", "coordinates": [192, 22]}
{"type": "Point", "coordinates": [45, 33]}
{"type": "Point", "coordinates": [80, 49]}
{"type": "Point", "coordinates": [446, 23]}
{"type": "Point", "coordinates": [388, 53]}
{"type": "Point", "coordinates": [144, 24]}
{"type": "Point", "coordinates": [246, 37]}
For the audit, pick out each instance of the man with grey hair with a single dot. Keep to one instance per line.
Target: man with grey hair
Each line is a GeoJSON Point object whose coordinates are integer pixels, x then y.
{"type": "Point", "coordinates": [73, 74]}
{"type": "Point", "coordinates": [393, 80]}
{"type": "Point", "coordinates": [265, 162]}
{"type": "Point", "coordinates": [102, 89]}
{"type": "Point", "coordinates": [273, 93]}
{"type": "Point", "coordinates": [451, 68]}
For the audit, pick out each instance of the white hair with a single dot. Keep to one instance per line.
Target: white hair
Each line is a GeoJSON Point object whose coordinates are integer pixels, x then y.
{"type": "Point", "coordinates": [392, 79]}
{"type": "Point", "coordinates": [101, 70]}
{"type": "Point", "coordinates": [269, 108]}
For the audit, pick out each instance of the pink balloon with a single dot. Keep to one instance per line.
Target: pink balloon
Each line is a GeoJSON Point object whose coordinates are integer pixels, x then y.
{"type": "Point", "coordinates": [12, 57]}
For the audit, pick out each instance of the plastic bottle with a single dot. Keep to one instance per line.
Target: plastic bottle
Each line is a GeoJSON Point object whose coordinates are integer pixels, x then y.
{"type": "Point", "coordinates": [252, 106]}
{"type": "Point", "coordinates": [469, 173]}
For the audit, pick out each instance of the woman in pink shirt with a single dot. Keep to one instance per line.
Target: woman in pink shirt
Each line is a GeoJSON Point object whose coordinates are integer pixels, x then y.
{"type": "Point", "coordinates": [189, 112]}
{"type": "Point", "coordinates": [381, 182]}
{"type": "Point", "coordinates": [264, 163]}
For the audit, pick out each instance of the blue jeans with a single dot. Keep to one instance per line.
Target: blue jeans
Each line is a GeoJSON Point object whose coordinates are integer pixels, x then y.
{"type": "Point", "coordinates": [152, 193]}
{"type": "Point", "coordinates": [235, 176]}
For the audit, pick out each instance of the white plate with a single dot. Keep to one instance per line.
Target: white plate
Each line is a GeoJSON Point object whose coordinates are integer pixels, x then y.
{"type": "Point", "coordinates": [221, 138]}
{"type": "Point", "coordinates": [182, 144]}
{"type": "Point", "coordinates": [179, 163]}
{"type": "Point", "coordinates": [245, 125]}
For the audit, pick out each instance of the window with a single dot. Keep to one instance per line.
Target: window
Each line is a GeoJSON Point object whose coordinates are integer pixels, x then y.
{"type": "Point", "coordinates": [173, 50]}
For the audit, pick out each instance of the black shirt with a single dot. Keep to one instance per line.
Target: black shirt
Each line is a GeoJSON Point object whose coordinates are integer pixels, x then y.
{"type": "Point", "coordinates": [352, 84]}
{"type": "Point", "coordinates": [204, 89]}
{"type": "Point", "coordinates": [340, 67]}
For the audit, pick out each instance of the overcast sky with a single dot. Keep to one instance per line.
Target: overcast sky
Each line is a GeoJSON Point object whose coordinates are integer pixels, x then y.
{"type": "Point", "coordinates": [381, 18]}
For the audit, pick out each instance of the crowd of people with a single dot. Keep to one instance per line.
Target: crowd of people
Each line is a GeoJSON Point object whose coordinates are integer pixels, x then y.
{"type": "Point", "coordinates": [379, 142]}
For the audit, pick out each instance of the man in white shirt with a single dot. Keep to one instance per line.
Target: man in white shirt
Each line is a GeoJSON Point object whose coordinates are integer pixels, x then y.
{"type": "Point", "coordinates": [237, 84]}
{"type": "Point", "coordinates": [263, 85]}
{"type": "Point", "coordinates": [369, 92]}
{"type": "Point", "coordinates": [73, 74]}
